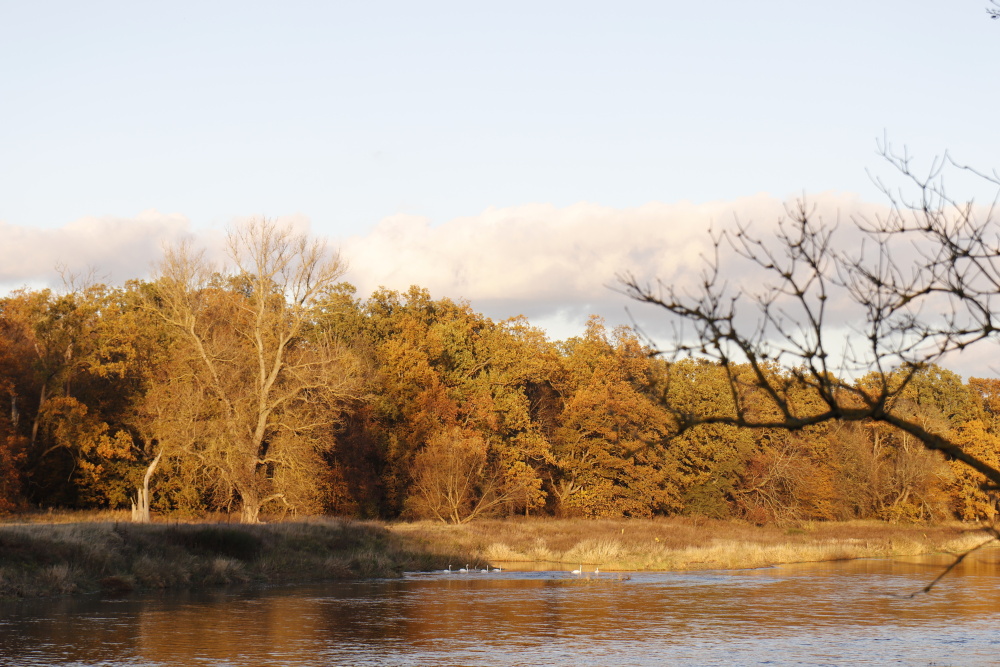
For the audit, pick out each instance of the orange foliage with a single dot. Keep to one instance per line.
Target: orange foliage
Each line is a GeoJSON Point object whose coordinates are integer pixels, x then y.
{"type": "Point", "coordinates": [459, 416]}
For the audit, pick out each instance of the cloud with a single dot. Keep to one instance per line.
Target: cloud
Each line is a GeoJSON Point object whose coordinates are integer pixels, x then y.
{"type": "Point", "coordinates": [554, 265]}
{"type": "Point", "coordinates": [557, 265]}
{"type": "Point", "coordinates": [112, 249]}
{"type": "Point", "coordinates": [105, 249]}
{"type": "Point", "coordinates": [537, 259]}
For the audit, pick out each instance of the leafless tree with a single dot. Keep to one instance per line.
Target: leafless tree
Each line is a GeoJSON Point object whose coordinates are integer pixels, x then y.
{"type": "Point", "coordinates": [882, 297]}
{"type": "Point", "coordinates": [455, 481]}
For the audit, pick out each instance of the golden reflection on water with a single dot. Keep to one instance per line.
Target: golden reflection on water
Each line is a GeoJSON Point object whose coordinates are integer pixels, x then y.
{"type": "Point", "coordinates": [837, 612]}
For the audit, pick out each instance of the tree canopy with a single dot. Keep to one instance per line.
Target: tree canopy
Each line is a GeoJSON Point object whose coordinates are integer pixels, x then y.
{"type": "Point", "coordinates": [266, 387]}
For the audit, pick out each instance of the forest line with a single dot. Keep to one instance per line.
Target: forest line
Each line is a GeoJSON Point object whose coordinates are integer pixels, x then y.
{"type": "Point", "coordinates": [270, 387]}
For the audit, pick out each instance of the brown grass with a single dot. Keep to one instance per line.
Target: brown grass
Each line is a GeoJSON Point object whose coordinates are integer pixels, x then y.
{"type": "Point", "coordinates": [115, 557]}
{"type": "Point", "coordinates": [51, 556]}
{"type": "Point", "coordinates": [683, 543]}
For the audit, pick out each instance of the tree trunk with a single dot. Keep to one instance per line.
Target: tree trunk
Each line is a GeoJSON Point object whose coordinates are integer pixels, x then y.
{"type": "Point", "coordinates": [250, 503]}
{"type": "Point", "coordinates": [250, 512]}
{"type": "Point", "coordinates": [140, 506]}
{"type": "Point", "coordinates": [562, 490]}
{"type": "Point", "coordinates": [38, 415]}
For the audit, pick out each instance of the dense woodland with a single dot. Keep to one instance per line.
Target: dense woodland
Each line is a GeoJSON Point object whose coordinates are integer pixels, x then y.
{"type": "Point", "coordinates": [269, 387]}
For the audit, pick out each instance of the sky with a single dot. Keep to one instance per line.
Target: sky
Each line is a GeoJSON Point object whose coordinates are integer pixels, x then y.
{"type": "Point", "coordinates": [519, 155]}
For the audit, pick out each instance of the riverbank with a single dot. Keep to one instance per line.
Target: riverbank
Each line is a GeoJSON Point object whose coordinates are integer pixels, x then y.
{"type": "Point", "coordinates": [118, 557]}
{"type": "Point", "coordinates": [115, 557]}
{"type": "Point", "coordinates": [683, 543]}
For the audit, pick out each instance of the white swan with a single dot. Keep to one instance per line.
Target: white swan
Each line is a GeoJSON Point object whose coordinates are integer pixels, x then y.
{"type": "Point", "coordinates": [465, 569]}
{"type": "Point", "coordinates": [580, 571]}
{"type": "Point", "coordinates": [497, 569]}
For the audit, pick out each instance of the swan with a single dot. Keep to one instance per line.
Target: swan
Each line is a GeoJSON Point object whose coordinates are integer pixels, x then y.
{"type": "Point", "coordinates": [497, 569]}
{"type": "Point", "coordinates": [580, 571]}
{"type": "Point", "coordinates": [465, 569]}
{"type": "Point", "coordinates": [597, 570]}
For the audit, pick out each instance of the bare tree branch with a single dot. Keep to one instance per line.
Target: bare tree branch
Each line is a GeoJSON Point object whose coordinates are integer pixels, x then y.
{"type": "Point", "coordinates": [886, 296]}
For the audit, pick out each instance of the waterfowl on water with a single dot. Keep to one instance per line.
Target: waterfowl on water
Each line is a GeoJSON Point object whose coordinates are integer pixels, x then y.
{"type": "Point", "coordinates": [580, 571]}
{"type": "Point", "coordinates": [465, 569]}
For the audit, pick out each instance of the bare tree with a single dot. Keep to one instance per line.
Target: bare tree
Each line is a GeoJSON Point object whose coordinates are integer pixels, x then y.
{"type": "Point", "coordinates": [882, 297]}
{"type": "Point", "coordinates": [455, 481]}
{"type": "Point", "coordinates": [266, 387]}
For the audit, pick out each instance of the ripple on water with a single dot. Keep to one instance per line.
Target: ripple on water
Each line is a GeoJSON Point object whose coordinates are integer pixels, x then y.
{"type": "Point", "coordinates": [847, 613]}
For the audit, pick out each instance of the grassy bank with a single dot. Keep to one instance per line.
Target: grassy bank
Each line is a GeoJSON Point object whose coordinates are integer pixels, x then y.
{"type": "Point", "coordinates": [116, 557]}
{"type": "Point", "coordinates": [681, 543]}
{"type": "Point", "coordinates": [51, 558]}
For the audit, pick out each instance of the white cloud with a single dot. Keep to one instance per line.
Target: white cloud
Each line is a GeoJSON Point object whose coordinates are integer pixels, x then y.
{"type": "Point", "coordinates": [555, 265]}
{"type": "Point", "coordinates": [559, 264]}
{"type": "Point", "coordinates": [534, 258]}
{"type": "Point", "coordinates": [112, 249]}
{"type": "Point", "coordinates": [104, 249]}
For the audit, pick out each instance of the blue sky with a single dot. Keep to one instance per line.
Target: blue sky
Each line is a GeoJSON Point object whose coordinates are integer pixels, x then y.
{"type": "Point", "coordinates": [148, 120]}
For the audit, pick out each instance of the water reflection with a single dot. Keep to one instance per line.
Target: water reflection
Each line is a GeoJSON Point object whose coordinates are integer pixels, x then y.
{"type": "Point", "coordinates": [850, 612]}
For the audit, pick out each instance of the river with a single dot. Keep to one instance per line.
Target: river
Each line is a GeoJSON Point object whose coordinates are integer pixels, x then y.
{"type": "Point", "coordinates": [853, 612]}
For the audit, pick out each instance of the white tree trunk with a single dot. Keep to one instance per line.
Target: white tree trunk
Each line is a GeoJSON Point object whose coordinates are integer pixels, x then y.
{"type": "Point", "coordinates": [140, 506]}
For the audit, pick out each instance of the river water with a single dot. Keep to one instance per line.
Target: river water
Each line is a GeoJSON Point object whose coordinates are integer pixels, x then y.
{"type": "Point", "coordinates": [845, 613]}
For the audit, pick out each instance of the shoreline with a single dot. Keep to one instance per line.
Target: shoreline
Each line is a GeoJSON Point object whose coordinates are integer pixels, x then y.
{"type": "Point", "coordinates": [685, 543]}
{"type": "Point", "coordinates": [41, 559]}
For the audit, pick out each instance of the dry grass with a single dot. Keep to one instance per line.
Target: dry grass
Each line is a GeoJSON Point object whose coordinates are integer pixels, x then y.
{"type": "Point", "coordinates": [53, 559]}
{"type": "Point", "coordinates": [51, 516]}
{"type": "Point", "coordinates": [682, 543]}
{"type": "Point", "coordinates": [116, 557]}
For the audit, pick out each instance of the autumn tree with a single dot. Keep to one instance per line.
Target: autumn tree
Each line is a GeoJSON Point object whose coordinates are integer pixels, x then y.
{"type": "Point", "coordinates": [146, 356]}
{"type": "Point", "coordinates": [601, 462]}
{"type": "Point", "coordinates": [787, 476]}
{"type": "Point", "coordinates": [711, 457]}
{"type": "Point", "coordinates": [451, 402]}
{"type": "Point", "coordinates": [71, 401]}
{"type": "Point", "coordinates": [979, 434]}
{"type": "Point", "coordinates": [454, 480]}
{"type": "Point", "coordinates": [13, 442]}
{"type": "Point", "coordinates": [252, 399]}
